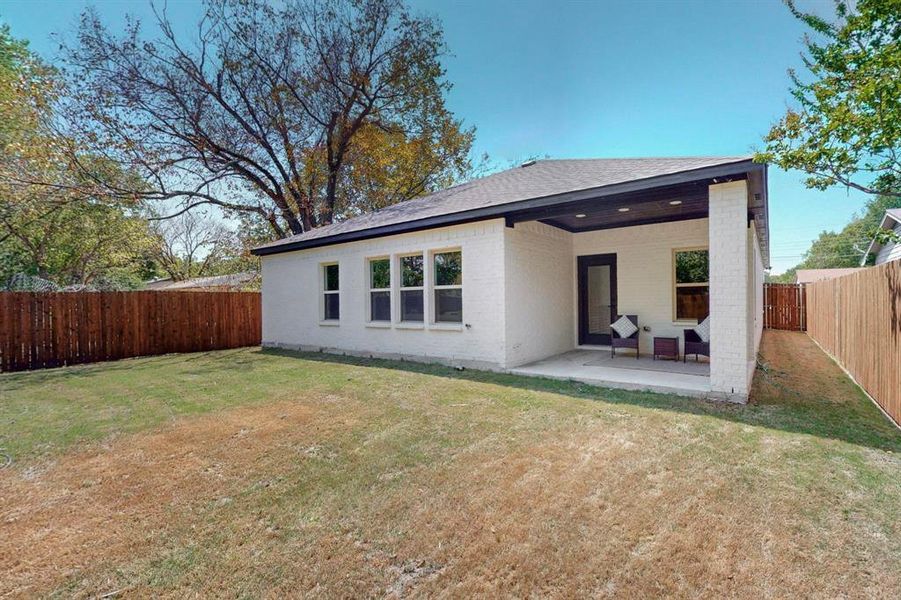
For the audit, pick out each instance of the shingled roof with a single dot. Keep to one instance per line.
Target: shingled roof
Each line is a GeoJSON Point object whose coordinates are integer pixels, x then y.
{"type": "Point", "coordinates": [491, 196]}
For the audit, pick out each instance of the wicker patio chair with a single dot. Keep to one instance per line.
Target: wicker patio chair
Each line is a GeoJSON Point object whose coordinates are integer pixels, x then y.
{"type": "Point", "coordinates": [620, 342]}
{"type": "Point", "coordinates": [694, 345]}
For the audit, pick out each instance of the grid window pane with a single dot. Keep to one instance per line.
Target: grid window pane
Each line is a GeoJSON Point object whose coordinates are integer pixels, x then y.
{"type": "Point", "coordinates": [380, 274]}
{"type": "Point", "coordinates": [380, 306]}
{"type": "Point", "coordinates": [692, 302]}
{"type": "Point", "coordinates": [411, 268]}
{"type": "Point", "coordinates": [692, 266]}
{"type": "Point", "coordinates": [449, 306]}
{"type": "Point", "coordinates": [331, 278]}
{"type": "Point", "coordinates": [332, 309]}
{"type": "Point", "coordinates": [449, 268]}
{"type": "Point", "coordinates": [411, 307]}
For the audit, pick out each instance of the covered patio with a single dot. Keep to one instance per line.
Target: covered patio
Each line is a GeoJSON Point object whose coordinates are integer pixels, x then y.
{"type": "Point", "coordinates": [665, 256]}
{"type": "Point", "coordinates": [595, 366]}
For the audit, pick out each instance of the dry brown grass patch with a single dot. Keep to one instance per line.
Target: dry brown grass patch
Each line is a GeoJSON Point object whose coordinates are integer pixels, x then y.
{"type": "Point", "coordinates": [389, 483]}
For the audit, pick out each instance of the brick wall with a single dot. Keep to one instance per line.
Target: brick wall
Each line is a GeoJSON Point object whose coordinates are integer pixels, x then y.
{"type": "Point", "coordinates": [730, 260]}
{"type": "Point", "coordinates": [644, 265]}
{"type": "Point", "coordinates": [520, 291]}
{"type": "Point", "coordinates": [292, 307]}
{"type": "Point", "coordinates": [540, 283]}
{"type": "Point", "coordinates": [755, 297]}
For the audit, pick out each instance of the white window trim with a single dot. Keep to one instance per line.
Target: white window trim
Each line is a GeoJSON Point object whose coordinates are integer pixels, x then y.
{"type": "Point", "coordinates": [369, 320]}
{"type": "Point", "coordinates": [676, 319]}
{"type": "Point", "coordinates": [446, 326]}
{"type": "Point", "coordinates": [324, 292]}
{"type": "Point", "coordinates": [433, 287]}
{"type": "Point", "coordinates": [401, 289]}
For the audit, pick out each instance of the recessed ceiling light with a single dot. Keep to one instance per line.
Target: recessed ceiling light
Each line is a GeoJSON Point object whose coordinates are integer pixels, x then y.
{"type": "Point", "coordinates": [624, 209]}
{"type": "Point", "coordinates": [675, 202]}
{"type": "Point", "coordinates": [580, 216]}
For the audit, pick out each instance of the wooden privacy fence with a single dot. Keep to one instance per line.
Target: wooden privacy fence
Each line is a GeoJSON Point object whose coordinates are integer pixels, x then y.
{"type": "Point", "coordinates": [40, 329]}
{"type": "Point", "coordinates": [784, 306]}
{"type": "Point", "coordinates": [857, 319]}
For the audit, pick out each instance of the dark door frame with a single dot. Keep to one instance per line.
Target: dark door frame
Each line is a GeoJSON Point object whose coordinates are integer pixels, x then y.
{"type": "Point", "coordinates": [594, 260]}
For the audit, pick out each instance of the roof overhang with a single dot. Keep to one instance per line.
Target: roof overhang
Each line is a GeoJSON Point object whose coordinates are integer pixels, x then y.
{"type": "Point", "coordinates": [534, 208]}
{"type": "Point", "coordinates": [875, 246]}
{"type": "Point", "coordinates": [759, 209]}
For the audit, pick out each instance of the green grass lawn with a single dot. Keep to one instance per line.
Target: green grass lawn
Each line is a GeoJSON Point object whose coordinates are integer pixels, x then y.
{"type": "Point", "coordinates": [247, 473]}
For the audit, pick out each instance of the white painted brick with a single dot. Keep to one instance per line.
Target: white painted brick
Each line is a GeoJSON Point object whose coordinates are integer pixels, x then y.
{"type": "Point", "coordinates": [644, 265]}
{"type": "Point", "coordinates": [732, 295]}
{"type": "Point", "coordinates": [291, 303]}
{"type": "Point", "coordinates": [539, 292]}
{"type": "Point", "coordinates": [519, 291]}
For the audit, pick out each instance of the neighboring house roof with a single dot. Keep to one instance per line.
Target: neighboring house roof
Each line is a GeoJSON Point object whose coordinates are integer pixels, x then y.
{"type": "Point", "coordinates": [157, 284]}
{"type": "Point", "coordinates": [232, 280]}
{"type": "Point", "coordinates": [811, 275]}
{"type": "Point", "coordinates": [890, 220]}
{"type": "Point", "coordinates": [532, 186]}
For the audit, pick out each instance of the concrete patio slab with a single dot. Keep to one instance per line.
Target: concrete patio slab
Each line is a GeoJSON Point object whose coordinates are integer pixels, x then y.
{"type": "Point", "coordinates": [595, 367]}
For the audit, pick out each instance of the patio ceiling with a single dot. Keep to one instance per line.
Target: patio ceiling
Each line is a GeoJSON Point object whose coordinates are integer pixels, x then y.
{"type": "Point", "coordinates": [666, 203]}
{"type": "Point", "coordinates": [671, 203]}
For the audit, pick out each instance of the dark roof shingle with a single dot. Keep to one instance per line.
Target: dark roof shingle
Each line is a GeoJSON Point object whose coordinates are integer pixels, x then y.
{"type": "Point", "coordinates": [543, 178]}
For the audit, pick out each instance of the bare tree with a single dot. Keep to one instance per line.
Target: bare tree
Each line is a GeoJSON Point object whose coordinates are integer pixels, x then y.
{"type": "Point", "coordinates": [285, 112]}
{"type": "Point", "coordinates": [189, 245]}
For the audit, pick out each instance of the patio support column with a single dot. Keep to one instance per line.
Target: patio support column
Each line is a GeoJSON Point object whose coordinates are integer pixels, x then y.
{"type": "Point", "coordinates": [729, 267]}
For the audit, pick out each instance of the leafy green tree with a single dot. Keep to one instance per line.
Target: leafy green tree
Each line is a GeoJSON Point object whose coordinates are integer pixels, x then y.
{"type": "Point", "coordinates": [59, 229]}
{"type": "Point", "coordinates": [26, 88]}
{"type": "Point", "coordinates": [846, 128]}
{"type": "Point", "coordinates": [78, 243]}
{"type": "Point", "coordinates": [692, 266]}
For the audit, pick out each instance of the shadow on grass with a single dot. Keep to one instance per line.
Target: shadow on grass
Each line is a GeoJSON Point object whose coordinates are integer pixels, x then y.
{"type": "Point", "coordinates": [858, 423]}
{"type": "Point", "coordinates": [854, 420]}
{"type": "Point", "coordinates": [14, 380]}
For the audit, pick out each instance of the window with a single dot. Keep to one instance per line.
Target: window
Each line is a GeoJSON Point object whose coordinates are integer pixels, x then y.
{"type": "Point", "coordinates": [411, 284]}
{"type": "Point", "coordinates": [691, 268]}
{"type": "Point", "coordinates": [380, 289]}
{"type": "Point", "coordinates": [449, 287]}
{"type": "Point", "coordinates": [330, 297]}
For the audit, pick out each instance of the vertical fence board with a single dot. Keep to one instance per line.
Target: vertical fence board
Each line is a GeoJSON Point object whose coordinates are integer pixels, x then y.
{"type": "Point", "coordinates": [6, 341]}
{"type": "Point", "coordinates": [40, 330]}
{"type": "Point", "coordinates": [857, 319]}
{"type": "Point", "coordinates": [24, 333]}
{"type": "Point", "coordinates": [784, 306]}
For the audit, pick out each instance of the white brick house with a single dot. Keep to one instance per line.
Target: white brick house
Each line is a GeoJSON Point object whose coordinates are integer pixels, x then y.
{"type": "Point", "coordinates": [534, 263]}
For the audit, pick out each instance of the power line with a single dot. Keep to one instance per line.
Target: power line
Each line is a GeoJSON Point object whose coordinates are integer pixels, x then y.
{"type": "Point", "coordinates": [793, 242]}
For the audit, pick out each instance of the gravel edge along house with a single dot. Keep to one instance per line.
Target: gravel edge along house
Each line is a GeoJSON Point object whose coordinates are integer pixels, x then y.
{"type": "Point", "coordinates": [525, 271]}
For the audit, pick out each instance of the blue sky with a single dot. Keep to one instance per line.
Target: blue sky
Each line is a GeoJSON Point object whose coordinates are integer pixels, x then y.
{"type": "Point", "coordinates": [595, 79]}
